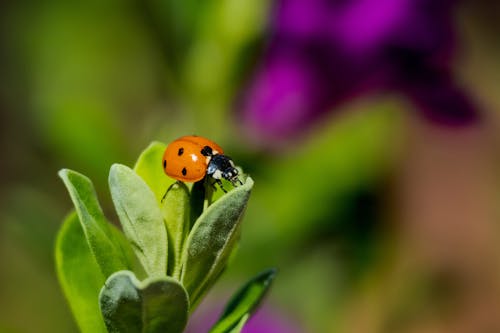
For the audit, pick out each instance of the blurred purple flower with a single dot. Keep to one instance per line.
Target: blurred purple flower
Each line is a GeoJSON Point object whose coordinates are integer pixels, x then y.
{"type": "Point", "coordinates": [264, 320]}
{"type": "Point", "coordinates": [325, 52]}
{"type": "Point", "coordinates": [267, 320]}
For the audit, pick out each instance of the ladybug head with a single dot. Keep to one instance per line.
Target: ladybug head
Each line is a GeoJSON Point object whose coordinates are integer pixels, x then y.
{"type": "Point", "coordinates": [221, 166]}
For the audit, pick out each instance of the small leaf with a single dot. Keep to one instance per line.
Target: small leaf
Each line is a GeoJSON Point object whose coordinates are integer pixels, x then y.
{"type": "Point", "coordinates": [243, 303]}
{"type": "Point", "coordinates": [149, 168]}
{"type": "Point", "coordinates": [105, 244]}
{"type": "Point", "coordinates": [175, 210]}
{"type": "Point", "coordinates": [79, 275]}
{"type": "Point", "coordinates": [211, 241]}
{"type": "Point", "coordinates": [158, 304]}
{"type": "Point", "coordinates": [140, 217]}
{"type": "Point", "coordinates": [240, 324]}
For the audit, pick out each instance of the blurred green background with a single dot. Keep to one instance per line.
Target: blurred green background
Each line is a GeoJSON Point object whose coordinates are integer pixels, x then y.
{"type": "Point", "coordinates": [377, 220]}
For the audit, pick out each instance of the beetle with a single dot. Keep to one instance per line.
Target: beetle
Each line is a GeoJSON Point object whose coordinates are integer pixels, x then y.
{"type": "Point", "coordinates": [191, 158]}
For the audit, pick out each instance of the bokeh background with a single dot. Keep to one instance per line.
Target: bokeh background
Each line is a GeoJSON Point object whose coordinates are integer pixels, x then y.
{"type": "Point", "coordinates": [370, 128]}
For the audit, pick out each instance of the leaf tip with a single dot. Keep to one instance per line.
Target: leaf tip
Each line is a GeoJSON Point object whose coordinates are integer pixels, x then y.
{"type": "Point", "coordinates": [117, 169]}
{"type": "Point", "coordinates": [249, 182]}
{"type": "Point", "coordinates": [270, 274]}
{"type": "Point", "coordinates": [64, 173]}
{"type": "Point", "coordinates": [155, 143]}
{"type": "Point", "coordinates": [116, 166]}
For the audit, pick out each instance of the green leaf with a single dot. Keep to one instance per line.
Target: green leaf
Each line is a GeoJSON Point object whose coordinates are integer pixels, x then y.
{"type": "Point", "coordinates": [175, 210]}
{"type": "Point", "coordinates": [158, 304]}
{"type": "Point", "coordinates": [243, 303]}
{"type": "Point", "coordinates": [149, 168]}
{"type": "Point", "coordinates": [140, 217]}
{"type": "Point", "coordinates": [79, 275]}
{"type": "Point", "coordinates": [241, 323]}
{"type": "Point", "coordinates": [212, 240]}
{"type": "Point", "coordinates": [109, 251]}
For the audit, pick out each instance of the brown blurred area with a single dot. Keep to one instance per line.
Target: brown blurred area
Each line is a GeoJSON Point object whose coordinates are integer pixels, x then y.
{"type": "Point", "coordinates": [445, 204]}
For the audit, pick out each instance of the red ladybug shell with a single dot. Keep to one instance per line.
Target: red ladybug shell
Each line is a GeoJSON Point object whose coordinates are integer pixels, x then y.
{"type": "Point", "coordinates": [183, 159]}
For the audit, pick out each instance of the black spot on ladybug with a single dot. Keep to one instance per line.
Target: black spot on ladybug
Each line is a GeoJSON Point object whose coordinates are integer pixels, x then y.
{"type": "Point", "coordinates": [164, 164]}
{"type": "Point", "coordinates": [184, 171]}
{"type": "Point", "coordinates": [180, 152]}
{"type": "Point", "coordinates": [206, 151]}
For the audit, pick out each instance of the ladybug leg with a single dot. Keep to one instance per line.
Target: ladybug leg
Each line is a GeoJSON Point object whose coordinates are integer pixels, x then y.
{"type": "Point", "coordinates": [168, 189]}
{"type": "Point", "coordinates": [213, 184]}
{"type": "Point", "coordinates": [219, 182]}
{"type": "Point", "coordinates": [236, 181]}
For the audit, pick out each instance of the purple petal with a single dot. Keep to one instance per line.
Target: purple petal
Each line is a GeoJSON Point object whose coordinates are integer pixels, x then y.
{"type": "Point", "coordinates": [266, 319]}
{"type": "Point", "coordinates": [301, 18]}
{"type": "Point", "coordinates": [281, 97]}
{"type": "Point", "coordinates": [443, 102]}
{"type": "Point", "coordinates": [364, 25]}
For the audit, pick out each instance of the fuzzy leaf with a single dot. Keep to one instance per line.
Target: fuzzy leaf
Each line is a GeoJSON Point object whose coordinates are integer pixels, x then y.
{"type": "Point", "coordinates": [211, 241]}
{"type": "Point", "coordinates": [175, 210]}
{"type": "Point", "coordinates": [105, 244]}
{"type": "Point", "coordinates": [243, 303]}
{"type": "Point", "coordinates": [79, 275]}
{"type": "Point", "coordinates": [157, 304]}
{"type": "Point", "coordinates": [149, 168]}
{"type": "Point", "coordinates": [140, 217]}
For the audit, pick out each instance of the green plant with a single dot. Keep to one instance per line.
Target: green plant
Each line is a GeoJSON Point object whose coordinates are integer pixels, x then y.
{"type": "Point", "coordinates": [173, 248]}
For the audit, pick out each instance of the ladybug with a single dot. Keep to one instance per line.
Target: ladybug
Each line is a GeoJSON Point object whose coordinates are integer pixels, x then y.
{"type": "Point", "coordinates": [190, 158]}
